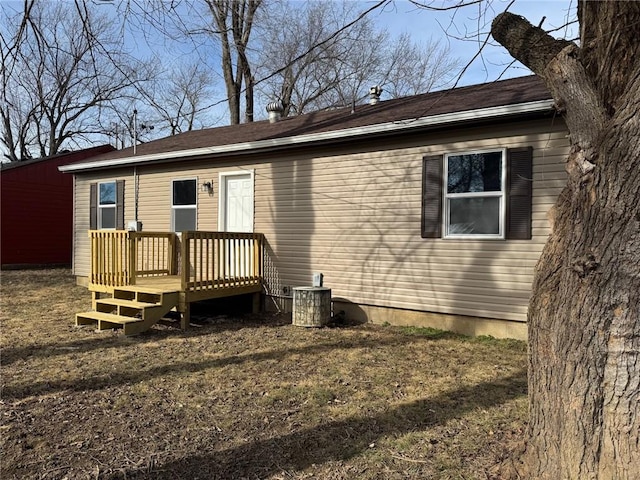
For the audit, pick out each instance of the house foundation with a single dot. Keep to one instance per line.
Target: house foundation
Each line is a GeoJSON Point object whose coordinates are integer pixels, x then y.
{"type": "Point", "coordinates": [465, 325]}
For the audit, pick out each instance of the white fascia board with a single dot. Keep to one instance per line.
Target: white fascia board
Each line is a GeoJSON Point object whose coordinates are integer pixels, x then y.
{"type": "Point", "coordinates": [397, 126]}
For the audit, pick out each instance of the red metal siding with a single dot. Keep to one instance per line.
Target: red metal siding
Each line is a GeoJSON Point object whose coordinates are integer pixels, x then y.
{"type": "Point", "coordinates": [37, 210]}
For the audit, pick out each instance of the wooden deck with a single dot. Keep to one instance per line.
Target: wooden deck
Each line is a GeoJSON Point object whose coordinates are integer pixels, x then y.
{"type": "Point", "coordinates": [173, 283]}
{"type": "Point", "coordinates": [198, 266]}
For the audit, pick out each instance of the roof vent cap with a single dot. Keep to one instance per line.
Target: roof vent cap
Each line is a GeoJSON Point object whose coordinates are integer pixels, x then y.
{"type": "Point", "coordinates": [275, 109]}
{"type": "Point", "coordinates": [374, 94]}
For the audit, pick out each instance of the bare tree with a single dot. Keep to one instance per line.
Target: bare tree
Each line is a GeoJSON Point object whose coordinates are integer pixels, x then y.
{"type": "Point", "coordinates": [62, 68]}
{"type": "Point", "coordinates": [315, 73]}
{"type": "Point", "coordinates": [305, 72]}
{"type": "Point", "coordinates": [411, 68]}
{"type": "Point", "coordinates": [180, 100]}
{"type": "Point", "coordinates": [584, 316]}
{"type": "Point", "coordinates": [310, 55]}
{"type": "Point", "coordinates": [234, 22]}
{"type": "Point", "coordinates": [359, 55]}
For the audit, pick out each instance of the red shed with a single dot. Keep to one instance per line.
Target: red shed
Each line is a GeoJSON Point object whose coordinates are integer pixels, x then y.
{"type": "Point", "coordinates": [36, 214]}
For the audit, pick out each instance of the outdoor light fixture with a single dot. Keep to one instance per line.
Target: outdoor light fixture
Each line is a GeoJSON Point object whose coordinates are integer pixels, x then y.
{"type": "Point", "coordinates": [207, 187]}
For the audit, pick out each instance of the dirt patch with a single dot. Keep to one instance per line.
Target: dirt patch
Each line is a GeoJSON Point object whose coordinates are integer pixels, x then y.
{"type": "Point", "coordinates": [249, 397]}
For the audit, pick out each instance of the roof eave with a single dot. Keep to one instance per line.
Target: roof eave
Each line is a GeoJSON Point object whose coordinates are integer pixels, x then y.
{"type": "Point", "coordinates": [465, 116]}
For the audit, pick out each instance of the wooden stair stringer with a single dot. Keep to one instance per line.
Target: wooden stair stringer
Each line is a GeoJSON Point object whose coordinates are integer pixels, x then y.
{"type": "Point", "coordinates": [134, 309]}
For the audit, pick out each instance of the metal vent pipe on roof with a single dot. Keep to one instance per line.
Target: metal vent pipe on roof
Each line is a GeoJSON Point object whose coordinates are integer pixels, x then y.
{"type": "Point", "coordinates": [275, 110]}
{"type": "Point", "coordinates": [374, 94]}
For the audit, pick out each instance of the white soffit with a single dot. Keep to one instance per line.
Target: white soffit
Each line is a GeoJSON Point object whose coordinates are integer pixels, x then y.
{"type": "Point", "coordinates": [259, 145]}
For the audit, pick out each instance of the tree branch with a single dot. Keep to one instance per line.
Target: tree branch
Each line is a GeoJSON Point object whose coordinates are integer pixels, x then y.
{"type": "Point", "coordinates": [558, 63]}
{"type": "Point", "coordinates": [532, 46]}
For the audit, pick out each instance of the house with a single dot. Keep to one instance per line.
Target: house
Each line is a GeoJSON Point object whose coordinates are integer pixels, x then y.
{"type": "Point", "coordinates": [427, 210]}
{"type": "Point", "coordinates": [37, 209]}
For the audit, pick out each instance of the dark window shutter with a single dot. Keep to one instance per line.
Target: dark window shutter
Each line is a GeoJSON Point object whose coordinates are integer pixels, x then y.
{"type": "Point", "coordinates": [519, 189]}
{"type": "Point", "coordinates": [120, 205]}
{"type": "Point", "coordinates": [93, 206]}
{"type": "Point", "coordinates": [432, 196]}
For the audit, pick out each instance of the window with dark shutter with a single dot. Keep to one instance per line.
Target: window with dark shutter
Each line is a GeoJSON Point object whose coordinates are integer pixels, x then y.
{"type": "Point", "coordinates": [93, 206]}
{"type": "Point", "coordinates": [432, 196]}
{"type": "Point", "coordinates": [519, 193]}
{"type": "Point", "coordinates": [478, 195]}
{"type": "Point", "coordinates": [106, 205]}
{"type": "Point", "coordinates": [120, 205]}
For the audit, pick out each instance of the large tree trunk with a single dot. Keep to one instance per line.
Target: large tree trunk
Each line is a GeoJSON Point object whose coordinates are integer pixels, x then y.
{"type": "Point", "coordinates": [584, 315]}
{"type": "Point", "coordinates": [234, 21]}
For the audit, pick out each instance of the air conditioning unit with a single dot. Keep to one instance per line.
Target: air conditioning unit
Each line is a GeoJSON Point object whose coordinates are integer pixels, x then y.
{"type": "Point", "coordinates": [134, 226]}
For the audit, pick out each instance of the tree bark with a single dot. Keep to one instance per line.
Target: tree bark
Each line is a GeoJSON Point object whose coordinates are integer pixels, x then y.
{"type": "Point", "coordinates": [584, 314]}
{"type": "Point", "coordinates": [234, 21]}
{"type": "Point", "coordinates": [220, 12]}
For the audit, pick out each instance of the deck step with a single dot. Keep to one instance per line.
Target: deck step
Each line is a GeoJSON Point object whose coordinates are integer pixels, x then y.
{"type": "Point", "coordinates": [104, 320]}
{"type": "Point", "coordinates": [121, 302]}
{"type": "Point", "coordinates": [142, 289]}
{"type": "Point", "coordinates": [134, 309]}
{"type": "Point", "coordinates": [128, 308]}
{"type": "Point", "coordinates": [107, 317]}
{"type": "Point", "coordinates": [145, 295]}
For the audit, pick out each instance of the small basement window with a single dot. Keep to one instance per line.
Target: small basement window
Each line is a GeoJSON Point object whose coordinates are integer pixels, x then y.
{"type": "Point", "coordinates": [474, 195]}
{"type": "Point", "coordinates": [184, 205]}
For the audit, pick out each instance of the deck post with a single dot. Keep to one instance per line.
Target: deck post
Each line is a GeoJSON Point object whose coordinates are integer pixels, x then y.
{"type": "Point", "coordinates": [185, 316]}
{"type": "Point", "coordinates": [185, 254]}
{"type": "Point", "coordinates": [133, 257]}
{"type": "Point", "coordinates": [94, 297]}
{"type": "Point", "coordinates": [173, 261]}
{"type": "Point", "coordinates": [257, 303]}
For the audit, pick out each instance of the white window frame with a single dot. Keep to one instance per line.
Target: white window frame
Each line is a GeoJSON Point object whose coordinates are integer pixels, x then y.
{"type": "Point", "coordinates": [501, 195]}
{"type": "Point", "coordinates": [101, 207]}
{"type": "Point", "coordinates": [182, 207]}
{"type": "Point", "coordinates": [222, 194]}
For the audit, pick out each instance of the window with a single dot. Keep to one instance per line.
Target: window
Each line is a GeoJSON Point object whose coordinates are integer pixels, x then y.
{"type": "Point", "coordinates": [474, 194]}
{"type": "Point", "coordinates": [478, 195]}
{"type": "Point", "coordinates": [183, 205]}
{"type": "Point", "coordinates": [106, 205]}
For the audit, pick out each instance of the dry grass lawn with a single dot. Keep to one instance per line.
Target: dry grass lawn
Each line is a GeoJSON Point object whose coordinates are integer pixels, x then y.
{"type": "Point", "coordinates": [251, 397]}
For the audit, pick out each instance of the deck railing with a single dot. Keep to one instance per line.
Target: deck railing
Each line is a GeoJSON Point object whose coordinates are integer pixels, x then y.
{"type": "Point", "coordinates": [118, 257]}
{"type": "Point", "coordinates": [213, 260]}
{"type": "Point", "coordinates": [110, 258]}
{"type": "Point", "coordinates": [204, 261]}
{"type": "Point", "coordinates": [154, 254]}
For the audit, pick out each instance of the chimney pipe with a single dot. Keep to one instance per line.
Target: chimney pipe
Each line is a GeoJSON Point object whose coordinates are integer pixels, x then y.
{"type": "Point", "coordinates": [374, 94]}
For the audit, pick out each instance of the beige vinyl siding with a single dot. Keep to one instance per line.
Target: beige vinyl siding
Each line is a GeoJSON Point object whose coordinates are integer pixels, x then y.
{"type": "Point", "coordinates": [155, 198]}
{"type": "Point", "coordinates": [356, 219]}
{"type": "Point", "coordinates": [154, 204]}
{"type": "Point", "coordinates": [355, 216]}
{"type": "Point", "coordinates": [81, 253]}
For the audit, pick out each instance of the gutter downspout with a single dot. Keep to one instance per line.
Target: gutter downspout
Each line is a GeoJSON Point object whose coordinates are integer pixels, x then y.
{"type": "Point", "coordinates": [136, 191]}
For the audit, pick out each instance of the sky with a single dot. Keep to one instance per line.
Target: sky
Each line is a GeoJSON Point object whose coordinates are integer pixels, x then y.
{"type": "Point", "coordinates": [454, 25]}
{"type": "Point", "coordinates": [457, 28]}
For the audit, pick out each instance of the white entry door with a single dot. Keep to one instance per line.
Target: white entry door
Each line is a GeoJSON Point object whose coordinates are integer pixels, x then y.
{"type": "Point", "coordinates": [236, 215]}
{"type": "Point", "coordinates": [236, 206]}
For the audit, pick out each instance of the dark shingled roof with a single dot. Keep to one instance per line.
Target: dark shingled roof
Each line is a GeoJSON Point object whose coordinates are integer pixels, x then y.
{"type": "Point", "coordinates": [505, 92]}
{"type": "Point", "coordinates": [76, 155]}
